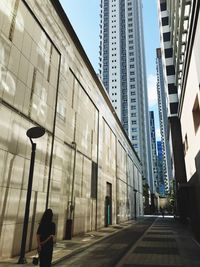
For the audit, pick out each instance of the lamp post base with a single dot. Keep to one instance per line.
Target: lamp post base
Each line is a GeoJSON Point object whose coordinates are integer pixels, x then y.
{"type": "Point", "coordinates": [22, 260]}
{"type": "Point", "coordinates": [68, 234]}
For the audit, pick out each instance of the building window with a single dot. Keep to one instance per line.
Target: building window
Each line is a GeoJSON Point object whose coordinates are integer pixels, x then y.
{"type": "Point", "coordinates": [173, 108]}
{"type": "Point", "coordinates": [172, 89]}
{"type": "Point", "coordinates": [196, 114]}
{"type": "Point", "coordinates": [170, 70]}
{"type": "Point", "coordinates": [166, 36]}
{"type": "Point", "coordinates": [168, 52]}
{"type": "Point", "coordinates": [135, 145]}
{"type": "Point", "coordinates": [163, 6]}
{"type": "Point", "coordinates": [134, 137]}
{"type": "Point", "coordinates": [165, 21]}
{"type": "Point", "coordinates": [185, 145]}
{"type": "Point", "coordinates": [133, 114]}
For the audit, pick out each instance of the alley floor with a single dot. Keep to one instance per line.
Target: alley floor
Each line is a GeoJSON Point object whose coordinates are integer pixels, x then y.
{"type": "Point", "coordinates": [148, 242]}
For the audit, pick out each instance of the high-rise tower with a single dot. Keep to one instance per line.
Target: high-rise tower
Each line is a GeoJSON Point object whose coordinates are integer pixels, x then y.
{"type": "Point", "coordinates": [179, 31]}
{"type": "Point", "coordinates": [162, 110]}
{"type": "Point", "coordinates": [155, 183]}
{"type": "Point", "coordinates": [123, 71]}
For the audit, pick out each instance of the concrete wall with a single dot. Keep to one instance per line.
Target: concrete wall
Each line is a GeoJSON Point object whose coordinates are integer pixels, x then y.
{"type": "Point", "coordinates": [47, 80]}
{"type": "Point", "coordinates": [190, 122]}
{"type": "Point", "coordinates": [192, 94]}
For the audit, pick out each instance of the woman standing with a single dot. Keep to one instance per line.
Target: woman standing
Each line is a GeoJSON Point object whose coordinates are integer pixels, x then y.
{"type": "Point", "coordinates": [45, 238]}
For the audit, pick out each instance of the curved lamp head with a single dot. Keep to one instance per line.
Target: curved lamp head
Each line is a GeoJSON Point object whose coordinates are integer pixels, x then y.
{"type": "Point", "coordinates": [35, 132]}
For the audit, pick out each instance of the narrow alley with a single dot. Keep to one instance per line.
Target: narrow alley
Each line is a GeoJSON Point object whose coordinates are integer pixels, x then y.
{"type": "Point", "coordinates": [148, 242]}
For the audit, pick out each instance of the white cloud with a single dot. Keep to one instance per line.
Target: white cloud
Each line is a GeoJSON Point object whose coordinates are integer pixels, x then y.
{"type": "Point", "coordinates": [152, 90]}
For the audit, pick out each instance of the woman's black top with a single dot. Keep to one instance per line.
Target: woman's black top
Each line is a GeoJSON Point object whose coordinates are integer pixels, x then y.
{"type": "Point", "coordinates": [45, 230]}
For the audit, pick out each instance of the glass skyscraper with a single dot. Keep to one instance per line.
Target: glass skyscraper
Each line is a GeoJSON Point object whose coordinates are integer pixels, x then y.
{"type": "Point", "coordinates": [155, 183]}
{"type": "Point", "coordinates": [123, 72]}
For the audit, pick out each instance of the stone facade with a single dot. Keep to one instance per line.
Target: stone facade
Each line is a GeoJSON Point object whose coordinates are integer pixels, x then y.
{"type": "Point", "coordinates": [85, 157]}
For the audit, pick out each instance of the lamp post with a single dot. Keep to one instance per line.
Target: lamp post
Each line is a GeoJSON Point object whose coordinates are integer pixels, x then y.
{"type": "Point", "coordinates": [34, 132]}
{"type": "Point", "coordinates": [135, 192]}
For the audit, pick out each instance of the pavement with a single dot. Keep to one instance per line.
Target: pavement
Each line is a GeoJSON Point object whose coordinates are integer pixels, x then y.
{"type": "Point", "coordinates": [67, 248]}
{"type": "Point", "coordinates": [165, 243]}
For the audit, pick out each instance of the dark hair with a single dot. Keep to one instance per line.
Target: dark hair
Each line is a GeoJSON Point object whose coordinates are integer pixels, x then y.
{"type": "Point", "coordinates": [47, 217]}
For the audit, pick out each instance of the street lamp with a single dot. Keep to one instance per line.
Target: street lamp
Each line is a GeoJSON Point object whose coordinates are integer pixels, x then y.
{"type": "Point", "coordinates": [34, 132]}
{"type": "Point", "coordinates": [135, 192]}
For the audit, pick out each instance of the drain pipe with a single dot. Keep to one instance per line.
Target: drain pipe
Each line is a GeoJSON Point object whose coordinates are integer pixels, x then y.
{"type": "Point", "coordinates": [71, 203]}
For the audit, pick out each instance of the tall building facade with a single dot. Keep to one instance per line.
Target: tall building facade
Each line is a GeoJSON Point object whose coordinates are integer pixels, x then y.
{"type": "Point", "coordinates": [123, 71]}
{"type": "Point", "coordinates": [162, 110]}
{"type": "Point", "coordinates": [161, 188]}
{"type": "Point", "coordinates": [85, 167]}
{"type": "Point", "coordinates": [172, 100]}
{"type": "Point", "coordinates": [155, 182]}
{"type": "Point", "coordinates": [180, 44]}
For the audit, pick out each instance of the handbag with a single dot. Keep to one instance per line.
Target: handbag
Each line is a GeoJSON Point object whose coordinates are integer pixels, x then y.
{"type": "Point", "coordinates": [35, 259]}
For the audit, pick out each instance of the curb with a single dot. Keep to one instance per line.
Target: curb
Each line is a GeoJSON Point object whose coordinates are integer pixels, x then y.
{"type": "Point", "coordinates": [84, 247]}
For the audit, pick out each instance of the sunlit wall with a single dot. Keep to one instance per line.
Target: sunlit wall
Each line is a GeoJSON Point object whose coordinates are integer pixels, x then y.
{"type": "Point", "coordinates": [85, 156]}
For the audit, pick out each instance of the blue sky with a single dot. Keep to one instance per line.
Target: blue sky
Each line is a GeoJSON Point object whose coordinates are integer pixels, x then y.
{"type": "Point", "coordinates": [84, 17]}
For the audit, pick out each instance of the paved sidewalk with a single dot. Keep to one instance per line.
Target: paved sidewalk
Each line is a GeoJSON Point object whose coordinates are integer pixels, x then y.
{"type": "Point", "coordinates": [67, 248]}
{"type": "Point", "coordinates": [167, 243]}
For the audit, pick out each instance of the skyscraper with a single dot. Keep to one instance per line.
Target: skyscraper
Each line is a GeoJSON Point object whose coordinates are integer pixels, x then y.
{"type": "Point", "coordinates": [180, 43]}
{"type": "Point", "coordinates": [123, 71]}
{"type": "Point", "coordinates": [160, 169]}
{"type": "Point", "coordinates": [155, 183]}
{"type": "Point", "coordinates": [162, 110]}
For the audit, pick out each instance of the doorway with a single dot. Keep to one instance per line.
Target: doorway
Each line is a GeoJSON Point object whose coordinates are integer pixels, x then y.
{"type": "Point", "coordinates": [108, 204]}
